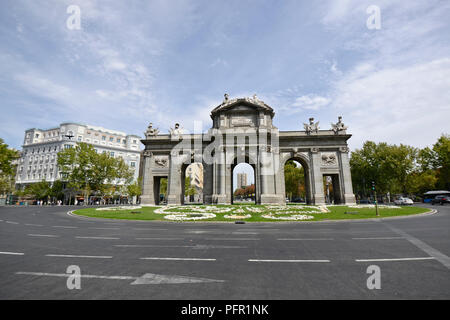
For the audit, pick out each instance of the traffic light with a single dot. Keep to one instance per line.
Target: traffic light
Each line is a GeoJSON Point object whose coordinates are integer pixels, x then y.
{"type": "Point", "coordinates": [373, 185]}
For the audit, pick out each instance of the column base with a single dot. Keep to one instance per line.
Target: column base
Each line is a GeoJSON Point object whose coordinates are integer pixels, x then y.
{"type": "Point", "coordinates": [272, 199]}
{"type": "Point", "coordinates": [319, 199]}
{"type": "Point", "coordinates": [349, 199]}
{"type": "Point", "coordinates": [174, 200]}
{"type": "Point", "coordinates": [148, 200]}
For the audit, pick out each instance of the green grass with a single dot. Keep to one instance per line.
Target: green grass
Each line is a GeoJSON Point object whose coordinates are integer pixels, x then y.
{"type": "Point", "coordinates": [336, 213]}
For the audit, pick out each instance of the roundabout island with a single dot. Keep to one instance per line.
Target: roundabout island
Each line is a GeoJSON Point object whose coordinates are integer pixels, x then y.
{"type": "Point", "coordinates": [249, 212]}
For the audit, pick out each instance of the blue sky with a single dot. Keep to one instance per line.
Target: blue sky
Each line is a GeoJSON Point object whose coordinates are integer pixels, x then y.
{"type": "Point", "coordinates": [135, 62]}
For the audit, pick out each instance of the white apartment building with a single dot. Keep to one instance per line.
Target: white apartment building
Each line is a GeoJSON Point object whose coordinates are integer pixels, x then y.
{"type": "Point", "coordinates": [38, 159]}
{"type": "Point", "coordinates": [241, 180]}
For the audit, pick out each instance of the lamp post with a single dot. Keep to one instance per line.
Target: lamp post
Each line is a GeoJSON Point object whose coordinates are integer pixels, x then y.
{"type": "Point", "coordinates": [375, 195]}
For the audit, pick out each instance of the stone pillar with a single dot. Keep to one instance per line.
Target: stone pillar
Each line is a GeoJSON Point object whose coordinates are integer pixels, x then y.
{"type": "Point", "coordinates": [207, 183]}
{"type": "Point", "coordinates": [221, 195]}
{"type": "Point", "coordinates": [349, 197]}
{"type": "Point", "coordinates": [147, 196]}
{"type": "Point", "coordinates": [174, 187]}
{"type": "Point", "coordinates": [317, 178]}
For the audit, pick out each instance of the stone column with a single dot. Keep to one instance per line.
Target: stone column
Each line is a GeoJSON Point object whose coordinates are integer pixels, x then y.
{"type": "Point", "coordinates": [349, 197]}
{"type": "Point", "coordinates": [147, 196]}
{"type": "Point", "coordinates": [174, 188]}
{"type": "Point", "coordinates": [317, 178]}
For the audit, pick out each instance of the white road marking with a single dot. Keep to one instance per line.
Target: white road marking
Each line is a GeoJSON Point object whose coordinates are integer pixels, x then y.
{"type": "Point", "coordinates": [159, 238]}
{"type": "Point", "coordinates": [232, 239]}
{"type": "Point", "coordinates": [394, 259]}
{"type": "Point", "coordinates": [244, 232]}
{"type": "Point", "coordinates": [177, 259]}
{"type": "Point", "coordinates": [77, 256]}
{"type": "Point", "coordinates": [34, 225]}
{"type": "Point", "coordinates": [66, 227]}
{"type": "Point", "coordinates": [104, 228]}
{"type": "Point", "coordinates": [43, 235]}
{"type": "Point", "coordinates": [151, 278]}
{"type": "Point", "coordinates": [11, 222]}
{"type": "Point", "coordinates": [305, 239]}
{"type": "Point", "coordinates": [99, 238]}
{"type": "Point", "coordinates": [379, 238]}
{"type": "Point", "coordinates": [267, 260]}
{"type": "Point", "coordinates": [151, 229]}
{"type": "Point", "coordinates": [13, 253]}
{"type": "Point", "coordinates": [148, 278]}
{"type": "Point", "coordinates": [439, 256]}
{"type": "Point", "coordinates": [82, 275]}
{"type": "Point", "coordinates": [197, 246]}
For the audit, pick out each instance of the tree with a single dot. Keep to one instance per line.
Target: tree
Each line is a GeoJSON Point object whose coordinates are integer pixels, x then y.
{"type": "Point", "coordinates": [293, 178]}
{"type": "Point", "coordinates": [134, 189]}
{"type": "Point", "coordinates": [441, 163]}
{"type": "Point", "coordinates": [89, 171]}
{"type": "Point", "coordinates": [7, 168]}
{"type": "Point", "coordinates": [39, 191]}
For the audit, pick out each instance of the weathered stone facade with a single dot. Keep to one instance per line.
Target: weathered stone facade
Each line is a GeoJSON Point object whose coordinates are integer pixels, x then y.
{"type": "Point", "coordinates": [242, 131]}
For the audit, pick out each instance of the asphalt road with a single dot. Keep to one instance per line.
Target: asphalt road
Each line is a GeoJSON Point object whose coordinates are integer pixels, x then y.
{"type": "Point", "coordinates": [170, 260]}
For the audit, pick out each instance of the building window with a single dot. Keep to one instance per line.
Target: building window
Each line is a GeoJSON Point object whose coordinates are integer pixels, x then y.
{"type": "Point", "coordinates": [132, 164]}
{"type": "Point", "coordinates": [111, 139]}
{"type": "Point", "coordinates": [111, 154]}
{"type": "Point", "coordinates": [67, 146]}
{"type": "Point", "coordinates": [80, 138]}
{"type": "Point", "coordinates": [103, 138]}
{"type": "Point", "coordinates": [118, 140]}
{"type": "Point", "coordinates": [134, 141]}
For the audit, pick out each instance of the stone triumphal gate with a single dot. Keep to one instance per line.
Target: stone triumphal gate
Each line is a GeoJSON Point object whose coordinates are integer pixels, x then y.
{"type": "Point", "coordinates": [242, 131]}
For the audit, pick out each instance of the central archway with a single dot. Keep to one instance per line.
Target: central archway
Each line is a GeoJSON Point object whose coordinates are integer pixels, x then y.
{"type": "Point", "coordinates": [243, 183]}
{"type": "Point", "coordinates": [305, 181]}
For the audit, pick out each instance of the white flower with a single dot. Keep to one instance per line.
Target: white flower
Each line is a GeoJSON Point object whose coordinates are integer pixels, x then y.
{"type": "Point", "coordinates": [293, 217]}
{"type": "Point", "coordinates": [119, 208]}
{"type": "Point", "coordinates": [190, 216]}
{"type": "Point", "coordinates": [233, 216]}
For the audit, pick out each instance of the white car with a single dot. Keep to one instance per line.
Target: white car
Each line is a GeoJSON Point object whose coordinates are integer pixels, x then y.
{"type": "Point", "coordinates": [403, 201]}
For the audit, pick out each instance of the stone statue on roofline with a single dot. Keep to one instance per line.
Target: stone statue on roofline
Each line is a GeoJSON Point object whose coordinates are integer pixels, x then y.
{"type": "Point", "coordinates": [151, 132]}
{"type": "Point", "coordinates": [339, 126]}
{"type": "Point", "coordinates": [311, 127]}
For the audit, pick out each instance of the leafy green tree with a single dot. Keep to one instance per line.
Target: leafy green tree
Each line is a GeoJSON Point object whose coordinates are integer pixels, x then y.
{"type": "Point", "coordinates": [7, 168]}
{"type": "Point", "coordinates": [294, 178]}
{"type": "Point", "coordinates": [441, 162]}
{"type": "Point", "coordinates": [89, 171]}
{"type": "Point", "coordinates": [134, 189]}
{"type": "Point", "coordinates": [39, 191]}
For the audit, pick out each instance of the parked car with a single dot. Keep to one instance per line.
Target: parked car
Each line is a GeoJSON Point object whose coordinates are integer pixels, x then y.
{"type": "Point", "coordinates": [403, 201]}
{"type": "Point", "coordinates": [440, 200]}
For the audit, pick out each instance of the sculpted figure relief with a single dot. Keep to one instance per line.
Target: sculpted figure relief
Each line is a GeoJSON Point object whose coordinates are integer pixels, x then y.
{"type": "Point", "coordinates": [328, 159]}
{"type": "Point", "coordinates": [161, 161]}
{"type": "Point", "coordinates": [311, 127]}
{"type": "Point", "coordinates": [339, 126]}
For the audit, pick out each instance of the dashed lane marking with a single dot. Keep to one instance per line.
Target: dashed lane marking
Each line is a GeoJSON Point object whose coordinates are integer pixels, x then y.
{"type": "Point", "coordinates": [12, 253]}
{"type": "Point", "coordinates": [305, 239]}
{"type": "Point", "coordinates": [42, 235]}
{"type": "Point", "coordinates": [394, 259]}
{"type": "Point", "coordinates": [77, 256]}
{"type": "Point", "coordinates": [271, 260]}
{"type": "Point", "coordinates": [177, 259]}
{"type": "Point", "coordinates": [65, 227]}
{"type": "Point", "coordinates": [379, 238]}
{"type": "Point", "coordinates": [98, 238]}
